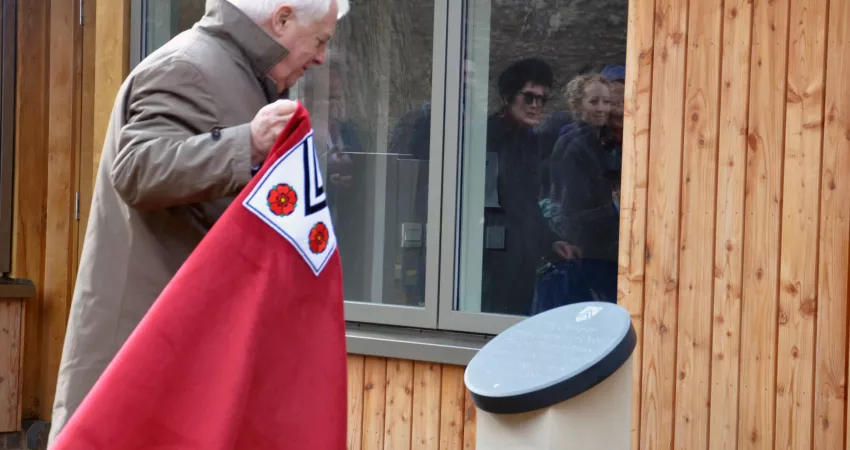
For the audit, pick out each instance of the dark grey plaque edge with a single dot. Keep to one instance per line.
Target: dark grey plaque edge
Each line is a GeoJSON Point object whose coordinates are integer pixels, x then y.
{"type": "Point", "coordinates": [565, 390]}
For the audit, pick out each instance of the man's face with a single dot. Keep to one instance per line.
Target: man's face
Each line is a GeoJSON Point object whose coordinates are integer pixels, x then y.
{"type": "Point", "coordinates": [307, 45]}
{"type": "Point", "coordinates": [528, 103]}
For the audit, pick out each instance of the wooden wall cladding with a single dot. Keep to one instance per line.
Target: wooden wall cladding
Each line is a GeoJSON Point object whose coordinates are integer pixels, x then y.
{"type": "Point", "coordinates": [47, 142]}
{"type": "Point", "coordinates": [734, 232]}
{"type": "Point", "coordinates": [29, 227]}
{"type": "Point", "coordinates": [405, 405]}
{"type": "Point", "coordinates": [11, 323]}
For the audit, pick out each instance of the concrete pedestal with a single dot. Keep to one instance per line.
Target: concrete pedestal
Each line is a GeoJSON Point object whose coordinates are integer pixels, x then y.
{"type": "Point", "coordinates": [561, 380]}
{"type": "Point", "coordinates": [598, 419]}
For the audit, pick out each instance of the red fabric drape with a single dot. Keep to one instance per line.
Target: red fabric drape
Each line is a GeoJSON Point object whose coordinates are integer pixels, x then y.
{"type": "Point", "coordinates": [245, 348]}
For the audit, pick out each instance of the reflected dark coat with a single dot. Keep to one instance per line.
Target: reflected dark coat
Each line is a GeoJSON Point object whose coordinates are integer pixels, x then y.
{"type": "Point", "coordinates": [584, 168]}
{"type": "Point", "coordinates": [509, 275]}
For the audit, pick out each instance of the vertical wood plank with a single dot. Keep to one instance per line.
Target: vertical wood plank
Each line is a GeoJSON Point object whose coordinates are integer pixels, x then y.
{"type": "Point", "coordinates": [63, 132]}
{"type": "Point", "coordinates": [451, 408]}
{"type": "Point", "coordinates": [399, 406]}
{"type": "Point", "coordinates": [662, 246]}
{"type": "Point", "coordinates": [374, 400]}
{"type": "Point", "coordinates": [632, 251]}
{"type": "Point", "coordinates": [28, 229]}
{"type": "Point", "coordinates": [699, 166]}
{"type": "Point", "coordinates": [469, 422]}
{"type": "Point", "coordinates": [11, 315]}
{"type": "Point", "coordinates": [427, 388]}
{"type": "Point", "coordinates": [761, 226]}
{"type": "Point", "coordinates": [112, 31]}
{"type": "Point", "coordinates": [800, 218]}
{"type": "Point", "coordinates": [728, 251]}
{"type": "Point", "coordinates": [834, 258]}
{"type": "Point", "coordinates": [356, 367]}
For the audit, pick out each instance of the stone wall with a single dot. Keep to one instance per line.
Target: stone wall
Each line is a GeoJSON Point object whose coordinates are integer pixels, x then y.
{"type": "Point", "coordinates": [569, 34]}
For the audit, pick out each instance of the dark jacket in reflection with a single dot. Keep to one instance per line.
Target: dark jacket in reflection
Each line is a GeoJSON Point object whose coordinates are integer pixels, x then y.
{"type": "Point", "coordinates": [584, 167]}
{"type": "Point", "coordinates": [550, 130]}
{"type": "Point", "coordinates": [348, 204]}
{"type": "Point", "coordinates": [547, 135]}
{"type": "Point", "coordinates": [509, 274]}
{"type": "Point", "coordinates": [411, 137]}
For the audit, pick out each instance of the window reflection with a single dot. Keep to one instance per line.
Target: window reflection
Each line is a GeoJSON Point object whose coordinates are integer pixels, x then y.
{"type": "Point", "coordinates": [371, 117]}
{"type": "Point", "coordinates": [542, 150]}
{"type": "Point", "coordinates": [540, 147]}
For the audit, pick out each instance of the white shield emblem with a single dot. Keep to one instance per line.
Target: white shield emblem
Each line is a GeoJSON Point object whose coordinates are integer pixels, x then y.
{"type": "Point", "coordinates": [291, 199]}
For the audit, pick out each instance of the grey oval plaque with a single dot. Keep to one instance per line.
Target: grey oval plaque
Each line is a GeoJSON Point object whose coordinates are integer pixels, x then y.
{"type": "Point", "coordinates": [551, 357]}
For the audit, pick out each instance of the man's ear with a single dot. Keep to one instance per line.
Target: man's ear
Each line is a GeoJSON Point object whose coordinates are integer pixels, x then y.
{"type": "Point", "coordinates": [281, 15]}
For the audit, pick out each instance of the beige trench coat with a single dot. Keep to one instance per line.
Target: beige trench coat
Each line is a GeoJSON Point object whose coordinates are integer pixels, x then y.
{"type": "Point", "coordinates": [177, 150]}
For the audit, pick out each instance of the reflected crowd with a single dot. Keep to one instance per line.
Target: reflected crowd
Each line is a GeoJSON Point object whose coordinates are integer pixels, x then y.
{"type": "Point", "coordinates": [551, 212]}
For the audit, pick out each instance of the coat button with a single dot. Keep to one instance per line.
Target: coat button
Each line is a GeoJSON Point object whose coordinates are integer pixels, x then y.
{"type": "Point", "coordinates": [216, 133]}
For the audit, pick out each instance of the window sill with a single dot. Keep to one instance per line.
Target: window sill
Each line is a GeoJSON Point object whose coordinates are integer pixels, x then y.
{"type": "Point", "coordinates": [14, 288]}
{"type": "Point", "coordinates": [413, 344]}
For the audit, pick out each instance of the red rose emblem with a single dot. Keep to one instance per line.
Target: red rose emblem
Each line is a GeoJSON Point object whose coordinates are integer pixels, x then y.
{"type": "Point", "coordinates": [319, 238]}
{"type": "Point", "coordinates": [282, 200]}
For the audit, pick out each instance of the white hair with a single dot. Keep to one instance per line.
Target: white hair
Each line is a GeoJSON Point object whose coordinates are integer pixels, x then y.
{"type": "Point", "coordinates": [306, 11]}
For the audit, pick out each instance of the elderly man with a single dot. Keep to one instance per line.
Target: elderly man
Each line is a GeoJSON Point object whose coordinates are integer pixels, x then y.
{"type": "Point", "coordinates": [187, 127]}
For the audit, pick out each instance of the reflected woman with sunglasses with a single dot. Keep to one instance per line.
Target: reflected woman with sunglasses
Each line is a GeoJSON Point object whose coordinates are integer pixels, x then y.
{"type": "Point", "coordinates": [526, 108]}
{"type": "Point", "coordinates": [510, 268]}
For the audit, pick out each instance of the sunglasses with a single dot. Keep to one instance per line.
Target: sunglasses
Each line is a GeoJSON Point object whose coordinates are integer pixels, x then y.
{"type": "Point", "coordinates": [530, 98]}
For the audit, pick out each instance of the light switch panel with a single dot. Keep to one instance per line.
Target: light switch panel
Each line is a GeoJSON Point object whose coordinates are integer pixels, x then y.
{"type": "Point", "coordinates": [495, 237]}
{"type": "Point", "coordinates": [411, 235]}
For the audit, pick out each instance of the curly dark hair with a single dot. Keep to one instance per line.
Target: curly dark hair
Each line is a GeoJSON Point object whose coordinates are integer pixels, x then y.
{"type": "Point", "coordinates": [533, 70]}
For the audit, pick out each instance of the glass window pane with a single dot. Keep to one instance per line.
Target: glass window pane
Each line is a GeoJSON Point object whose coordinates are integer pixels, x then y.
{"type": "Point", "coordinates": [541, 137]}
{"type": "Point", "coordinates": [164, 19]}
{"type": "Point", "coordinates": [370, 105]}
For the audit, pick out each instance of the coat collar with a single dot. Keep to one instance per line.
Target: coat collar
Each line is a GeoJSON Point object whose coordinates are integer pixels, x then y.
{"type": "Point", "coordinates": [229, 22]}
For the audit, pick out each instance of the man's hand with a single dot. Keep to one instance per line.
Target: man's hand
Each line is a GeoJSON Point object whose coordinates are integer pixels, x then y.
{"type": "Point", "coordinates": [339, 168]}
{"type": "Point", "coordinates": [341, 180]}
{"type": "Point", "coordinates": [567, 251]}
{"type": "Point", "coordinates": [267, 126]}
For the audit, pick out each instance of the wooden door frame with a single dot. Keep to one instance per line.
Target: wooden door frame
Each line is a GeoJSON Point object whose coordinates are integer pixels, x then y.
{"type": "Point", "coordinates": [106, 64]}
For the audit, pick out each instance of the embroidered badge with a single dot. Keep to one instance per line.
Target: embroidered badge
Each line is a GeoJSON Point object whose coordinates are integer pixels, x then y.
{"type": "Point", "coordinates": [282, 200]}
{"type": "Point", "coordinates": [291, 199]}
{"type": "Point", "coordinates": [319, 238]}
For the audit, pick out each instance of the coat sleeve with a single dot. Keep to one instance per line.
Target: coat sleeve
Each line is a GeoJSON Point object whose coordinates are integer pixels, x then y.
{"type": "Point", "coordinates": [171, 149]}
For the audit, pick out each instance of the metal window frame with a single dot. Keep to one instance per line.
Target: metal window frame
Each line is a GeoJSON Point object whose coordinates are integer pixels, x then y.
{"type": "Point", "coordinates": [139, 31]}
{"type": "Point", "coordinates": [138, 10]}
{"type": "Point", "coordinates": [8, 54]}
{"type": "Point", "coordinates": [449, 318]}
{"type": "Point", "coordinates": [426, 317]}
